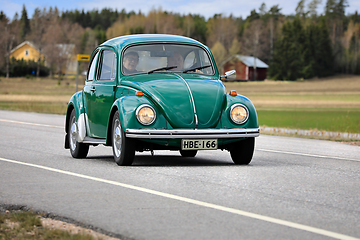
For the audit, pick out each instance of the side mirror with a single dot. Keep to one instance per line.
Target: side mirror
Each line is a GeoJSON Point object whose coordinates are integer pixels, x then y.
{"type": "Point", "coordinates": [229, 75]}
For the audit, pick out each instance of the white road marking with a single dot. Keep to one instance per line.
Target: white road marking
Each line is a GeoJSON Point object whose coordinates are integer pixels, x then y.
{"type": "Point", "coordinates": [308, 155]}
{"type": "Point", "coordinates": [27, 123]}
{"type": "Point", "coordinates": [196, 202]}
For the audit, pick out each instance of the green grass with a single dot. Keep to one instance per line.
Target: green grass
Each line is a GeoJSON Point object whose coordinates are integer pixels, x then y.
{"type": "Point", "coordinates": [27, 225]}
{"type": "Point", "coordinates": [329, 104]}
{"type": "Point", "coordinates": [333, 120]}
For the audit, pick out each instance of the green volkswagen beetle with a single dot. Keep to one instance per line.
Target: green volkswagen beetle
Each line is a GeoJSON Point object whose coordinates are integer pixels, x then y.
{"type": "Point", "coordinates": [158, 92]}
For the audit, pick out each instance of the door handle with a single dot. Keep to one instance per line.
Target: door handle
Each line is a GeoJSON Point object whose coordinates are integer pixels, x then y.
{"type": "Point", "coordinates": [92, 89]}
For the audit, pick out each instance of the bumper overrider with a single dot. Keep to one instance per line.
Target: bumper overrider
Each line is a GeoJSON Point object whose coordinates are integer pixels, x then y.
{"type": "Point", "coordinates": [192, 133]}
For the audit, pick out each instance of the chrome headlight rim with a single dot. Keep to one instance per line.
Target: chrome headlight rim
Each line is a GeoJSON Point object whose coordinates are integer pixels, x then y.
{"type": "Point", "coordinates": [247, 113]}
{"type": "Point", "coordinates": [138, 118]}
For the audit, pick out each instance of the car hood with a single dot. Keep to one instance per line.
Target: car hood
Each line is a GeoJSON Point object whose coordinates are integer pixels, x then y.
{"type": "Point", "coordinates": [180, 95]}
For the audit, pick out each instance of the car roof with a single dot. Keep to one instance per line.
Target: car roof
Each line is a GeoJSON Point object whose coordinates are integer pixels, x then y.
{"type": "Point", "coordinates": [120, 42]}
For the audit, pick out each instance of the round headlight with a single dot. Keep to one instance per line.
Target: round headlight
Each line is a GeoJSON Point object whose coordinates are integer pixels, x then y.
{"type": "Point", "coordinates": [239, 114]}
{"type": "Point", "coordinates": [145, 114]}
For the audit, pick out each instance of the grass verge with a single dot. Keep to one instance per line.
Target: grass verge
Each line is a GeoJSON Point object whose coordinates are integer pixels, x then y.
{"type": "Point", "coordinates": [28, 225]}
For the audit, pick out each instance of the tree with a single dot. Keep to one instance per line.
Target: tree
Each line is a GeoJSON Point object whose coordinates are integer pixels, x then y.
{"type": "Point", "coordinates": [221, 29]}
{"type": "Point", "coordinates": [262, 9]}
{"type": "Point", "coordinates": [335, 15]}
{"type": "Point", "coordinates": [274, 19]}
{"type": "Point", "coordinates": [302, 52]}
{"type": "Point", "coordinates": [235, 47]}
{"type": "Point", "coordinates": [255, 40]}
{"type": "Point", "coordinates": [2, 16]}
{"type": "Point", "coordinates": [100, 34]}
{"type": "Point", "coordinates": [53, 36]}
{"type": "Point", "coordinates": [39, 23]}
{"type": "Point", "coordinates": [312, 6]}
{"type": "Point", "coordinates": [288, 60]}
{"type": "Point", "coordinates": [193, 26]}
{"type": "Point", "coordinates": [200, 28]}
{"type": "Point", "coordinates": [318, 58]}
{"type": "Point", "coordinates": [220, 53]}
{"type": "Point", "coordinates": [275, 12]}
{"type": "Point", "coordinates": [300, 10]}
{"type": "Point", "coordinates": [253, 16]}
{"type": "Point", "coordinates": [24, 24]}
{"type": "Point", "coordinates": [351, 42]}
{"type": "Point", "coordinates": [8, 38]}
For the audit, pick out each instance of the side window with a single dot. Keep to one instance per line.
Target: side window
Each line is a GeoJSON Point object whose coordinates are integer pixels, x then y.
{"type": "Point", "coordinates": [108, 65]}
{"type": "Point", "coordinates": [92, 67]}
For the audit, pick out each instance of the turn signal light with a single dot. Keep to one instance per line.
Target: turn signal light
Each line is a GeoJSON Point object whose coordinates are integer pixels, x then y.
{"type": "Point", "coordinates": [233, 93]}
{"type": "Point", "coordinates": [139, 93]}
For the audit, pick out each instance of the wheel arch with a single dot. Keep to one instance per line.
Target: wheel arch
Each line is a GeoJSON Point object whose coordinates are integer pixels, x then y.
{"type": "Point", "coordinates": [109, 128]}
{"type": "Point", "coordinates": [68, 112]}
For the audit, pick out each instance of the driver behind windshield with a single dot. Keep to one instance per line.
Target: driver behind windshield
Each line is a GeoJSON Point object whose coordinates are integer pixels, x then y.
{"type": "Point", "coordinates": [130, 62]}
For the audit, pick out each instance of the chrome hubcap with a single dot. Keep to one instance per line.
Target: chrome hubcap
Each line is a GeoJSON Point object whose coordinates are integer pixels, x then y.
{"type": "Point", "coordinates": [73, 134]}
{"type": "Point", "coordinates": [117, 138]}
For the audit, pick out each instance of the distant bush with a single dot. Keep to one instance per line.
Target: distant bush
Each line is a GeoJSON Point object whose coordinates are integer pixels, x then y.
{"type": "Point", "coordinates": [22, 68]}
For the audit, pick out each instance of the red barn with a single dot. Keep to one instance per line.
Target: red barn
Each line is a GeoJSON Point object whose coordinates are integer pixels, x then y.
{"type": "Point", "coordinates": [244, 66]}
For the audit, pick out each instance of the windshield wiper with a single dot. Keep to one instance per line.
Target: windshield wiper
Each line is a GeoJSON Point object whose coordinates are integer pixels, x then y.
{"type": "Point", "coordinates": [161, 69]}
{"type": "Point", "coordinates": [196, 68]}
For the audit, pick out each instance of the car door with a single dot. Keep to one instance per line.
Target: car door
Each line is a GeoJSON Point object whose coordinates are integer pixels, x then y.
{"type": "Point", "coordinates": [99, 93]}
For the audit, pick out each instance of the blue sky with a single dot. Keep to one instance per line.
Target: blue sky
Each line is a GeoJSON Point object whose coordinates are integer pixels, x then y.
{"type": "Point", "coordinates": [206, 8]}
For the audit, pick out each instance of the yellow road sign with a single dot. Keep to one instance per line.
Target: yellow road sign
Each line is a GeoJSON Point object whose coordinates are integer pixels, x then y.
{"type": "Point", "coordinates": [83, 57]}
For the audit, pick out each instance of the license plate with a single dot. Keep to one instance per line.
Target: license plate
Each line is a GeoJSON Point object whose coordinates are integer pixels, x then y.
{"type": "Point", "coordinates": [199, 144]}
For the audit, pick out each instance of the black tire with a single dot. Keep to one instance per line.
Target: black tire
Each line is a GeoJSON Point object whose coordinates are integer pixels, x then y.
{"type": "Point", "coordinates": [123, 147]}
{"type": "Point", "coordinates": [77, 150]}
{"type": "Point", "coordinates": [188, 153]}
{"type": "Point", "coordinates": [242, 151]}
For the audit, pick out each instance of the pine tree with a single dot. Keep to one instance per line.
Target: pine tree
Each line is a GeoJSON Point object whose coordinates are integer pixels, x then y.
{"type": "Point", "coordinates": [324, 58]}
{"type": "Point", "coordinates": [2, 15]}
{"type": "Point", "coordinates": [288, 60]}
{"type": "Point", "coordinates": [24, 24]}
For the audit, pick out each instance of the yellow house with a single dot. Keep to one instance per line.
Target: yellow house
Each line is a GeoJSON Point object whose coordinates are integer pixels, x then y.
{"type": "Point", "coordinates": [26, 51]}
{"type": "Point", "coordinates": [67, 61]}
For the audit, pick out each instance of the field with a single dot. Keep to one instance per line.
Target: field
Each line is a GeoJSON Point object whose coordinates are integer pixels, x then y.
{"type": "Point", "coordinates": [36, 95]}
{"type": "Point", "coordinates": [330, 104]}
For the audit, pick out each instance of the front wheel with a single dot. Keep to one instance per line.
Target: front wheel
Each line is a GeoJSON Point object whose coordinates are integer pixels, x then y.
{"type": "Point", "coordinates": [242, 151]}
{"type": "Point", "coordinates": [77, 149]}
{"type": "Point", "coordinates": [123, 147]}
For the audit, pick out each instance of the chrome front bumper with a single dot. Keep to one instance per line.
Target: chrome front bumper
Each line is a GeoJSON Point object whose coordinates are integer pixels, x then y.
{"type": "Point", "coordinates": [192, 134]}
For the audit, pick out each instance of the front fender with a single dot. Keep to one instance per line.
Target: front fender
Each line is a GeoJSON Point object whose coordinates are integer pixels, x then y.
{"type": "Point", "coordinates": [226, 121]}
{"type": "Point", "coordinates": [127, 106]}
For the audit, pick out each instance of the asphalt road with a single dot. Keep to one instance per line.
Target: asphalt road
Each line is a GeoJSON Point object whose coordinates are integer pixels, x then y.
{"type": "Point", "coordinates": [293, 188]}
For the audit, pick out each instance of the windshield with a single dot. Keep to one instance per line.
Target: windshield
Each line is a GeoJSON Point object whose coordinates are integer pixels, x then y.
{"type": "Point", "coordinates": [178, 58]}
